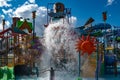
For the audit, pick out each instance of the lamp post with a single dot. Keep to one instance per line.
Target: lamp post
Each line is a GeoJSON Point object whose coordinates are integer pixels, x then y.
{"type": "Point", "coordinates": [97, 57]}
{"type": "Point", "coordinates": [3, 23]}
{"type": "Point", "coordinates": [34, 16]}
{"type": "Point", "coordinates": [104, 14]}
{"type": "Point", "coordinates": [79, 64]}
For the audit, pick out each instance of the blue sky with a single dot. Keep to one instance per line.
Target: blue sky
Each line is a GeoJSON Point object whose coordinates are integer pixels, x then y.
{"type": "Point", "coordinates": [81, 10]}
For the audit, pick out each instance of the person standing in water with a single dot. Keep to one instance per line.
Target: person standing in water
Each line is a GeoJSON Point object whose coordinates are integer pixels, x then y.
{"type": "Point", "coordinates": [52, 74]}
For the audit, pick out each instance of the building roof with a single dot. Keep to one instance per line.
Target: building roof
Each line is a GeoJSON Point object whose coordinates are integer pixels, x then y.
{"type": "Point", "coordinates": [17, 30]}
{"type": "Point", "coordinates": [25, 25]}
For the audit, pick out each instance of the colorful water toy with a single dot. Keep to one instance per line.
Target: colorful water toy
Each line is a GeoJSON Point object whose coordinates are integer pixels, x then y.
{"type": "Point", "coordinates": [86, 45]}
{"type": "Point", "coordinates": [7, 73]}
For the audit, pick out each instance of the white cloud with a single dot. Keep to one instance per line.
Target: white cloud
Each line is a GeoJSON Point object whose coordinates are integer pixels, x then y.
{"type": "Point", "coordinates": [1, 18]}
{"type": "Point", "coordinates": [5, 3]}
{"type": "Point", "coordinates": [73, 20]}
{"type": "Point", "coordinates": [1, 26]}
{"type": "Point", "coordinates": [7, 11]}
{"type": "Point", "coordinates": [7, 24]}
{"type": "Point", "coordinates": [32, 1]}
{"type": "Point", "coordinates": [25, 11]}
{"type": "Point", "coordinates": [109, 2]}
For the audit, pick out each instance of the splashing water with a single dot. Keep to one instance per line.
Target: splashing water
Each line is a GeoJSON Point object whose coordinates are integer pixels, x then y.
{"type": "Point", "coordinates": [60, 39]}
